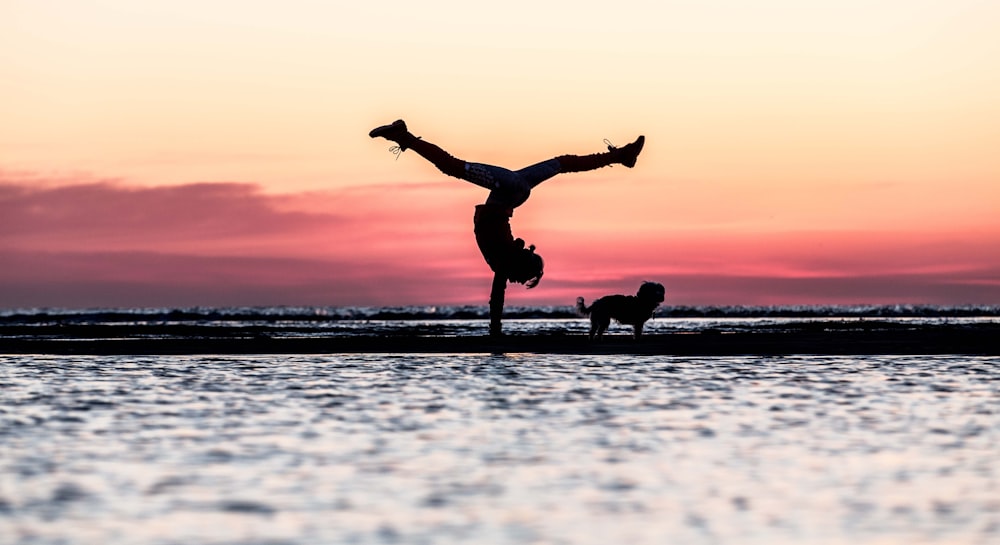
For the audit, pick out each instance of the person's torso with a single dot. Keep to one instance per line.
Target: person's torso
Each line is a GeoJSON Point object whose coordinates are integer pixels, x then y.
{"type": "Point", "coordinates": [493, 234]}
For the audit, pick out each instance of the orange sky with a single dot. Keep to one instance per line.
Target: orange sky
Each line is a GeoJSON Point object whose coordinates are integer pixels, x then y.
{"type": "Point", "coordinates": [193, 153]}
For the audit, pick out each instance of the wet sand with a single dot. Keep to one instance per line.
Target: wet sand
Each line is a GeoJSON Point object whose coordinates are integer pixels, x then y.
{"type": "Point", "coordinates": [818, 338]}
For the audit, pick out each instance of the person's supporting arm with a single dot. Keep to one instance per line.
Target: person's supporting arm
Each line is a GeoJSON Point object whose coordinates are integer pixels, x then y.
{"type": "Point", "coordinates": [496, 303]}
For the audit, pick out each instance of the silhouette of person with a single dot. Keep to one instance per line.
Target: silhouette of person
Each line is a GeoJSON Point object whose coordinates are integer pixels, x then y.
{"type": "Point", "coordinates": [506, 256]}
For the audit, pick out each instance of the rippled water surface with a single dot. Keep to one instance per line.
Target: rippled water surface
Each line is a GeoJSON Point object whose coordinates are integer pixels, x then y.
{"type": "Point", "coordinates": [499, 449]}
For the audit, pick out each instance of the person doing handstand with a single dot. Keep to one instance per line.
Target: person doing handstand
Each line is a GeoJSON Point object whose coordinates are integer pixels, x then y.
{"type": "Point", "coordinates": [508, 257]}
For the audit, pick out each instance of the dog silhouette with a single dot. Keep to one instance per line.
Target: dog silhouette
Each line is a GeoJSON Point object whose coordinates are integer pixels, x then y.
{"type": "Point", "coordinates": [633, 310]}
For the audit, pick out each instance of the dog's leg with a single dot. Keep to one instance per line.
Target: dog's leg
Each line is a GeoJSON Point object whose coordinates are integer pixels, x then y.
{"type": "Point", "coordinates": [602, 326]}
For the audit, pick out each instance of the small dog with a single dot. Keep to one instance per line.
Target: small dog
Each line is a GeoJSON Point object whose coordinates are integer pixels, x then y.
{"type": "Point", "coordinates": [631, 310]}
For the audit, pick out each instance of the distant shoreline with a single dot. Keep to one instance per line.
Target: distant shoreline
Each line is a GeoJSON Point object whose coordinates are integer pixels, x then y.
{"type": "Point", "coordinates": [820, 338]}
{"type": "Point", "coordinates": [306, 315]}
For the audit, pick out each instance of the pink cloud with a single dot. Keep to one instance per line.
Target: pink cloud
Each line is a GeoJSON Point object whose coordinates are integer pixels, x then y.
{"type": "Point", "coordinates": [127, 279]}
{"type": "Point", "coordinates": [102, 243]}
{"type": "Point", "coordinates": [107, 216]}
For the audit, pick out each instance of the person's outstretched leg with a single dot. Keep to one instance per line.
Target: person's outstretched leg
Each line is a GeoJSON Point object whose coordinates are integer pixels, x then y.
{"type": "Point", "coordinates": [398, 133]}
{"type": "Point", "coordinates": [505, 187]}
{"type": "Point", "coordinates": [625, 155]}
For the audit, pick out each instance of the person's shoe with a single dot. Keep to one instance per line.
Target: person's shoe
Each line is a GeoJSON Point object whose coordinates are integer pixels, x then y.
{"type": "Point", "coordinates": [628, 153]}
{"type": "Point", "coordinates": [395, 132]}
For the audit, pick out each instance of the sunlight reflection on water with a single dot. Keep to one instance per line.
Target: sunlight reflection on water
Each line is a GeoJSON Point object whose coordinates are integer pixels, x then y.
{"type": "Point", "coordinates": [499, 449]}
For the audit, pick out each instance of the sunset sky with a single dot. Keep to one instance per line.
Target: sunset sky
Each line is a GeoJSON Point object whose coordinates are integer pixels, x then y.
{"type": "Point", "coordinates": [215, 152]}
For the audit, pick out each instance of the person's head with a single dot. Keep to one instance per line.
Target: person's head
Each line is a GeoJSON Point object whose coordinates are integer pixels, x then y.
{"type": "Point", "coordinates": [525, 266]}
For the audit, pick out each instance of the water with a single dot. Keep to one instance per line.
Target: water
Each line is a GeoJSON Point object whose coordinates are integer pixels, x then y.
{"type": "Point", "coordinates": [489, 449]}
{"type": "Point", "coordinates": [312, 322]}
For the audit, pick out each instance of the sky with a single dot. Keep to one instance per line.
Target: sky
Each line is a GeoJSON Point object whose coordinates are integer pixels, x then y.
{"type": "Point", "coordinates": [206, 153]}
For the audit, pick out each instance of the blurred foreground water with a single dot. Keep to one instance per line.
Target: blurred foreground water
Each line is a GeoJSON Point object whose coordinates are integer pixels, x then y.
{"type": "Point", "coordinates": [499, 449]}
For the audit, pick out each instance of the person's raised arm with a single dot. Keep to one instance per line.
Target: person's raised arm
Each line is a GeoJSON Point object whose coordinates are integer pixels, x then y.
{"type": "Point", "coordinates": [496, 303]}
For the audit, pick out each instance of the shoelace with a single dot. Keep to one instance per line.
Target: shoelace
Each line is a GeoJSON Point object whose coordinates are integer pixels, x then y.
{"type": "Point", "coordinates": [397, 150]}
{"type": "Point", "coordinates": [611, 147]}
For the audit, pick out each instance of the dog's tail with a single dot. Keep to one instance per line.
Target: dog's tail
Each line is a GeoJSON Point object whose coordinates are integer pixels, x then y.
{"type": "Point", "coordinates": [582, 309]}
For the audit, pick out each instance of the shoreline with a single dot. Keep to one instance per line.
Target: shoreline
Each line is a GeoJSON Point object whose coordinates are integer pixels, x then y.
{"type": "Point", "coordinates": [822, 338]}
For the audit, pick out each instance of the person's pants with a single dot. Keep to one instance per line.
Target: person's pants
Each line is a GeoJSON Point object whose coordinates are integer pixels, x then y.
{"type": "Point", "coordinates": [509, 188]}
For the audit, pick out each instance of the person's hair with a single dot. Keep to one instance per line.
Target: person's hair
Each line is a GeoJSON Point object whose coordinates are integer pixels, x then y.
{"type": "Point", "coordinates": [526, 267]}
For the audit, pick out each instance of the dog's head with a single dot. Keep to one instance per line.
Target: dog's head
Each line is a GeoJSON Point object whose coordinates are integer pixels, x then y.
{"type": "Point", "coordinates": [652, 292]}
